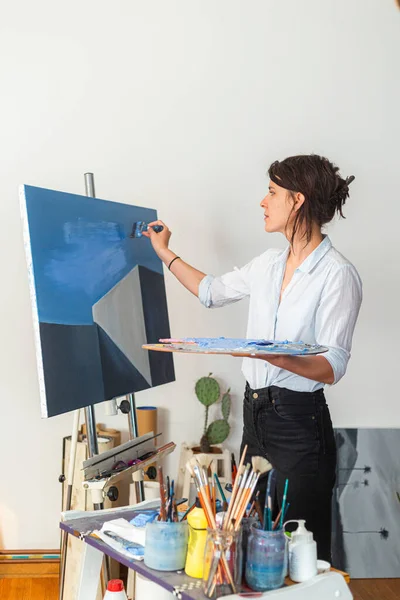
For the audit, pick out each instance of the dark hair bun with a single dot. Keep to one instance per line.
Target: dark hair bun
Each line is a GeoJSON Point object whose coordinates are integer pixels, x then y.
{"type": "Point", "coordinates": [341, 193]}
{"type": "Point", "coordinates": [319, 180]}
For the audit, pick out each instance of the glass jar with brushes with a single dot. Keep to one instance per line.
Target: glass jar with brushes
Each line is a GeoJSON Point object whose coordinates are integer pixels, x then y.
{"type": "Point", "coordinates": [222, 573]}
{"type": "Point", "coordinates": [266, 559]}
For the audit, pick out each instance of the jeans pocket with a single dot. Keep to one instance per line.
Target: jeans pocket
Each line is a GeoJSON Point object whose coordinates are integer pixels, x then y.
{"type": "Point", "coordinates": [295, 412]}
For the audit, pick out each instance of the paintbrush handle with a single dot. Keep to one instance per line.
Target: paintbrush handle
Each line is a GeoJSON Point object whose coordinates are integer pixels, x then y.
{"type": "Point", "coordinates": [223, 497]}
{"type": "Point", "coordinates": [236, 484]}
{"type": "Point", "coordinates": [257, 506]}
{"type": "Point", "coordinates": [242, 496]}
{"type": "Point", "coordinates": [163, 511]}
{"type": "Point", "coordinates": [249, 494]}
{"type": "Point", "coordinates": [283, 503]}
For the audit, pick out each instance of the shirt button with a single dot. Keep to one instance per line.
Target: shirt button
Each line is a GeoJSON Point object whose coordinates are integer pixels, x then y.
{"type": "Point", "coordinates": [255, 395]}
{"type": "Point", "coordinates": [273, 401]}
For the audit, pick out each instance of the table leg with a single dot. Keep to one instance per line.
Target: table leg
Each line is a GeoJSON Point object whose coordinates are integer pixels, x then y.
{"type": "Point", "coordinates": [90, 573]}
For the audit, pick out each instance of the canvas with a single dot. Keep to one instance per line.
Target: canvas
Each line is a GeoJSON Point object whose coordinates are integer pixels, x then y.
{"type": "Point", "coordinates": [366, 508]}
{"type": "Point", "coordinates": [97, 296]}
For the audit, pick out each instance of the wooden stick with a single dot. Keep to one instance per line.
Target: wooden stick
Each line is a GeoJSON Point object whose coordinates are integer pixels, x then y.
{"type": "Point", "coordinates": [235, 485]}
{"type": "Point", "coordinates": [163, 511]}
{"type": "Point", "coordinates": [239, 496]}
{"type": "Point", "coordinates": [250, 493]}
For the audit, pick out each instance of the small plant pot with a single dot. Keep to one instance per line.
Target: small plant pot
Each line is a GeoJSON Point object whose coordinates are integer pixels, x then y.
{"type": "Point", "coordinates": [213, 450]}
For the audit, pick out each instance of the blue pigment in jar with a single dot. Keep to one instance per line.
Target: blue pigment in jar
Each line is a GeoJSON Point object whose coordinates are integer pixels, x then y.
{"type": "Point", "coordinates": [266, 559]}
{"type": "Point", "coordinates": [166, 545]}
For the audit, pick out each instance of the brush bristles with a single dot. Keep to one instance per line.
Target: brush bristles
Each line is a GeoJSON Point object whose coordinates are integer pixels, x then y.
{"type": "Point", "coordinates": [240, 471]}
{"type": "Point", "coordinates": [204, 460]}
{"type": "Point", "coordinates": [260, 464]}
{"type": "Point", "coordinates": [200, 470]}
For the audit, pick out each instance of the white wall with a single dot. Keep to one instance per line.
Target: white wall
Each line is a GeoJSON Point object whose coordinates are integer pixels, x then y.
{"type": "Point", "coordinates": [182, 105]}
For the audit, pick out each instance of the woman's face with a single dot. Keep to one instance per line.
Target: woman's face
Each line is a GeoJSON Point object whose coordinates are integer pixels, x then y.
{"type": "Point", "coordinates": [278, 209]}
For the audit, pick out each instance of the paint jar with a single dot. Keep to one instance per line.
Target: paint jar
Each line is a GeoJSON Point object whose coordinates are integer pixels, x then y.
{"type": "Point", "coordinates": [115, 590]}
{"type": "Point", "coordinates": [166, 545]}
{"type": "Point", "coordinates": [302, 553]}
{"type": "Point", "coordinates": [197, 523]}
{"type": "Point", "coordinates": [266, 559]}
{"type": "Point", "coordinates": [222, 573]}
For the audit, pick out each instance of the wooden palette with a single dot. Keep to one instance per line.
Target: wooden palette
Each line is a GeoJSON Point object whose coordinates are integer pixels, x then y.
{"type": "Point", "coordinates": [233, 346]}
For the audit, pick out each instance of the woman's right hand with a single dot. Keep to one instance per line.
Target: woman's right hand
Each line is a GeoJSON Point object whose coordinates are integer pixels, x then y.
{"type": "Point", "coordinates": [160, 240]}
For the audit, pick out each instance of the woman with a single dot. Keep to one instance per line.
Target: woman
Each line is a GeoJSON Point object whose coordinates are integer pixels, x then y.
{"type": "Point", "coordinates": [308, 292]}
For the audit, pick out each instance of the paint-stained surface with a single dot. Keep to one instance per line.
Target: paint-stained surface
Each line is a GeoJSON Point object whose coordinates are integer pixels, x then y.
{"type": "Point", "coordinates": [366, 508]}
{"type": "Point", "coordinates": [82, 263]}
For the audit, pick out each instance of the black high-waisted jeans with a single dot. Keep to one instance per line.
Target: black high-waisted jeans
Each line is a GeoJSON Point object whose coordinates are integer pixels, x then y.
{"type": "Point", "coordinates": [293, 430]}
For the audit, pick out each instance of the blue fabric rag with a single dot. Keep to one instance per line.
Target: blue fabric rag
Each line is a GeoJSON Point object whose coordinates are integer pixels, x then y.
{"type": "Point", "coordinates": [141, 519]}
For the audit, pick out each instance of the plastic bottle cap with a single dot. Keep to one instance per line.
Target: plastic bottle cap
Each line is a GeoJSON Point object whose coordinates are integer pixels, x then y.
{"type": "Point", "coordinates": [115, 585]}
{"type": "Point", "coordinates": [301, 534]}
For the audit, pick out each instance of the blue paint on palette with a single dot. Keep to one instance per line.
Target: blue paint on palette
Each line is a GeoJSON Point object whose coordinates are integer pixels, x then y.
{"type": "Point", "coordinates": [233, 344]}
{"type": "Point", "coordinates": [81, 249]}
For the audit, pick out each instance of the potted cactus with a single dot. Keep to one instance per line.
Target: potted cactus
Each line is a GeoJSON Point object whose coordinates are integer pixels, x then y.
{"type": "Point", "coordinates": [208, 392]}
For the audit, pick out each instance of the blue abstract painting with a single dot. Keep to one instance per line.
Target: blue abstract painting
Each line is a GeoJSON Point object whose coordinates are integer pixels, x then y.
{"type": "Point", "coordinates": [97, 295]}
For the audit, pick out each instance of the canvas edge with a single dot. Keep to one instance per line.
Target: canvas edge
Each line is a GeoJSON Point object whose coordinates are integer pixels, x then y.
{"type": "Point", "coordinates": [34, 305]}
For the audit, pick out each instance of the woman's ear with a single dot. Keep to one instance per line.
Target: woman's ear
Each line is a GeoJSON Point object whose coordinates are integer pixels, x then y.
{"type": "Point", "coordinates": [299, 200]}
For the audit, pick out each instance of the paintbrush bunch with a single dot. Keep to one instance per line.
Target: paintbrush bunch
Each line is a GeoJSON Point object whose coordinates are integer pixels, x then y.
{"type": "Point", "coordinates": [267, 523]}
{"type": "Point", "coordinates": [168, 507]}
{"type": "Point", "coordinates": [242, 492]}
{"type": "Point", "coordinates": [198, 466]}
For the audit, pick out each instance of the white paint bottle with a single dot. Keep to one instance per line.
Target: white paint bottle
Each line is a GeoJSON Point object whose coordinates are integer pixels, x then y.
{"type": "Point", "coordinates": [115, 590]}
{"type": "Point", "coordinates": [302, 553]}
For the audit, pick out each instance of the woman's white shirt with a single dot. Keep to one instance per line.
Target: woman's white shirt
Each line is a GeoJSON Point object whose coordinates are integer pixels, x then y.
{"type": "Point", "coordinates": [319, 306]}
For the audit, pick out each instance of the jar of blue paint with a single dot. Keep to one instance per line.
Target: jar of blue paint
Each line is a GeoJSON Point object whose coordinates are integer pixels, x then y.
{"type": "Point", "coordinates": [266, 559]}
{"type": "Point", "coordinates": [166, 545]}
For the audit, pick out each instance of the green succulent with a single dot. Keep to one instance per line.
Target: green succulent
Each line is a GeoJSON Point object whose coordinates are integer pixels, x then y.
{"type": "Point", "coordinates": [208, 393]}
{"type": "Point", "coordinates": [218, 431]}
{"type": "Point", "coordinates": [207, 390]}
{"type": "Point", "coordinates": [226, 405]}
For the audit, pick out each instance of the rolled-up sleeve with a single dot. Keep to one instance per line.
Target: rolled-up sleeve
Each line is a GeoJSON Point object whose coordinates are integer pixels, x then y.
{"type": "Point", "coordinates": [337, 315]}
{"type": "Point", "coordinates": [215, 292]}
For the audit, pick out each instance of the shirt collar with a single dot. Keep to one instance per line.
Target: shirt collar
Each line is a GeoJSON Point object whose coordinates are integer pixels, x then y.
{"type": "Point", "coordinates": [313, 259]}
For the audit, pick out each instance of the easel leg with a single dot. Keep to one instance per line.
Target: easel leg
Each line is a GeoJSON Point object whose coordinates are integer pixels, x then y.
{"type": "Point", "coordinates": [133, 433]}
{"type": "Point", "coordinates": [90, 573]}
{"type": "Point", "coordinates": [70, 482]}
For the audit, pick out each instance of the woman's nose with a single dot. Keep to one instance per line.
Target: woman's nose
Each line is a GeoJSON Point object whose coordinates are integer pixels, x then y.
{"type": "Point", "coordinates": [263, 202]}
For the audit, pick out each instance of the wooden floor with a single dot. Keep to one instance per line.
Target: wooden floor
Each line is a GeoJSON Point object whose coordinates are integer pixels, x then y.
{"type": "Point", "coordinates": [375, 589]}
{"type": "Point", "coordinates": [29, 589]}
{"type": "Point", "coordinates": [47, 589]}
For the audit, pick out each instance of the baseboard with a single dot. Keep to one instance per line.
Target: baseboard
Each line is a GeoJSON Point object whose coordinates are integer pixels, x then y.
{"type": "Point", "coordinates": [29, 563]}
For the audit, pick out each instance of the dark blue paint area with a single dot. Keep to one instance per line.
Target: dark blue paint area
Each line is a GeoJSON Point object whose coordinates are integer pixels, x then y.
{"type": "Point", "coordinates": [120, 377]}
{"type": "Point", "coordinates": [81, 249]}
{"type": "Point", "coordinates": [72, 367]}
{"type": "Point", "coordinates": [156, 321]}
